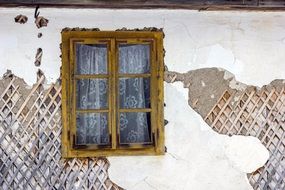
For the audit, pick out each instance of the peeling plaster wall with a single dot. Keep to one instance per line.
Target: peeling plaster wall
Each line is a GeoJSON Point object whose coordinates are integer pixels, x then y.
{"type": "Point", "coordinates": [250, 45]}
{"type": "Point", "coordinates": [196, 158]}
{"type": "Point", "coordinates": [207, 85]}
{"type": "Point", "coordinates": [234, 108]}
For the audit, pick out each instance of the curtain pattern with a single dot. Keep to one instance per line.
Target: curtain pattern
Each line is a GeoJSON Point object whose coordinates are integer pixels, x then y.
{"type": "Point", "coordinates": [92, 128]}
{"type": "Point", "coordinates": [134, 59]}
{"type": "Point", "coordinates": [91, 59]}
{"type": "Point", "coordinates": [92, 94]}
{"type": "Point", "coordinates": [134, 93]}
{"type": "Point", "coordinates": [134, 127]}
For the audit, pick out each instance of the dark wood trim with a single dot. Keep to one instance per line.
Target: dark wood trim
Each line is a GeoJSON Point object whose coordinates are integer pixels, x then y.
{"type": "Point", "coordinates": [202, 5]}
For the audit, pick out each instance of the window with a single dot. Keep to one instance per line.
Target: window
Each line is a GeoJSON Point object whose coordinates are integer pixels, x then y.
{"type": "Point", "coordinates": [112, 93]}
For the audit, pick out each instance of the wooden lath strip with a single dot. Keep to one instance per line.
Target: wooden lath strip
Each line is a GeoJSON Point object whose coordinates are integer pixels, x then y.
{"type": "Point", "coordinates": [268, 115]}
{"type": "Point", "coordinates": [254, 106]}
{"type": "Point", "coordinates": [7, 88]}
{"type": "Point", "coordinates": [222, 110]}
{"type": "Point", "coordinates": [38, 107]}
{"type": "Point", "coordinates": [266, 167]}
{"type": "Point", "coordinates": [212, 110]}
{"type": "Point", "coordinates": [34, 105]}
{"type": "Point", "coordinates": [40, 133]}
{"type": "Point", "coordinates": [240, 111]}
{"type": "Point", "coordinates": [15, 157]}
{"type": "Point", "coordinates": [21, 108]}
{"type": "Point", "coordinates": [84, 179]}
{"type": "Point", "coordinates": [55, 174]}
{"type": "Point", "coordinates": [9, 99]}
{"type": "Point", "coordinates": [48, 132]}
{"type": "Point", "coordinates": [260, 112]}
{"type": "Point", "coordinates": [33, 161]}
{"type": "Point", "coordinates": [30, 95]}
{"type": "Point", "coordinates": [251, 111]}
{"type": "Point", "coordinates": [9, 108]}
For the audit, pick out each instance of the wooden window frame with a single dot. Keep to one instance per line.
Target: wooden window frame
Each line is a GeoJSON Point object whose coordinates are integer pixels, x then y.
{"type": "Point", "coordinates": [112, 38]}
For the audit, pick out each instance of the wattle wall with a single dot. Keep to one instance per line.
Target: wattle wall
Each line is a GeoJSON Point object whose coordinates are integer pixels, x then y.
{"type": "Point", "coordinates": [250, 45]}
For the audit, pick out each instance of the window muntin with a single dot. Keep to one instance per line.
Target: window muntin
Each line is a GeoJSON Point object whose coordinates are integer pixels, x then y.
{"type": "Point", "coordinates": [116, 104]}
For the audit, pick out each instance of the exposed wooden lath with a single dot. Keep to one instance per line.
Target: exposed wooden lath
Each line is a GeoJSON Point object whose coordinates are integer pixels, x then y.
{"type": "Point", "coordinates": [154, 4]}
{"type": "Point", "coordinates": [30, 142]}
{"type": "Point", "coordinates": [260, 114]}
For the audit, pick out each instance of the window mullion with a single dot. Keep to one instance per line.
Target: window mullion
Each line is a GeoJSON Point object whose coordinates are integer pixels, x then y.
{"type": "Point", "coordinates": [113, 94]}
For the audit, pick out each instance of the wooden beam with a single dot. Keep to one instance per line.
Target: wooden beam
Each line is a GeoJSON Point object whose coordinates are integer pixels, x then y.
{"type": "Point", "coordinates": [202, 5]}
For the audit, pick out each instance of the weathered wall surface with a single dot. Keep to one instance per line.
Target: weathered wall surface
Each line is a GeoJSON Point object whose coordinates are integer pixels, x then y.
{"type": "Point", "coordinates": [30, 139]}
{"type": "Point", "coordinates": [249, 44]}
{"type": "Point", "coordinates": [233, 108]}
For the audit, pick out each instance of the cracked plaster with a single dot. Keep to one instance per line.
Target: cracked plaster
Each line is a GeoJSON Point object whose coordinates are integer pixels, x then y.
{"type": "Point", "coordinates": [196, 158]}
{"type": "Point", "coordinates": [246, 45]}
{"type": "Point", "coordinates": [207, 85]}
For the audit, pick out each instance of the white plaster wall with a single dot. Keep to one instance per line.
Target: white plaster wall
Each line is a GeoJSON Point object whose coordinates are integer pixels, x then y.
{"type": "Point", "coordinates": [251, 45]}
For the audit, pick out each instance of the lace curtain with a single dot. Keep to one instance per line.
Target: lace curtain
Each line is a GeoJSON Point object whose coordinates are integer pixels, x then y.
{"type": "Point", "coordinates": [134, 93]}
{"type": "Point", "coordinates": [92, 128]}
{"type": "Point", "coordinates": [134, 127]}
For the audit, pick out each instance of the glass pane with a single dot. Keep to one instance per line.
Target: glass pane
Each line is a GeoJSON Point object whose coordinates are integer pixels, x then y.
{"type": "Point", "coordinates": [92, 128]}
{"type": "Point", "coordinates": [135, 127]}
{"type": "Point", "coordinates": [134, 92]}
{"type": "Point", "coordinates": [91, 59]}
{"type": "Point", "coordinates": [91, 94]}
{"type": "Point", "coordinates": [134, 59]}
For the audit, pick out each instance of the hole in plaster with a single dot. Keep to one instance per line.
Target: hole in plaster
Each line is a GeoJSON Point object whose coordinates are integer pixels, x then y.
{"type": "Point", "coordinates": [39, 55]}
{"type": "Point", "coordinates": [8, 74]}
{"type": "Point", "coordinates": [22, 19]}
{"type": "Point", "coordinates": [41, 22]}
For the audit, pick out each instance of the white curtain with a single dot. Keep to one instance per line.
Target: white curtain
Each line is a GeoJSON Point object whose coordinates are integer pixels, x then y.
{"type": "Point", "coordinates": [134, 127]}
{"type": "Point", "coordinates": [92, 128]}
{"type": "Point", "coordinates": [134, 93]}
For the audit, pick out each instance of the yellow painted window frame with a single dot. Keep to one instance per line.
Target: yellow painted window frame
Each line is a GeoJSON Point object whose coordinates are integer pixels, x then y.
{"type": "Point", "coordinates": [112, 38]}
